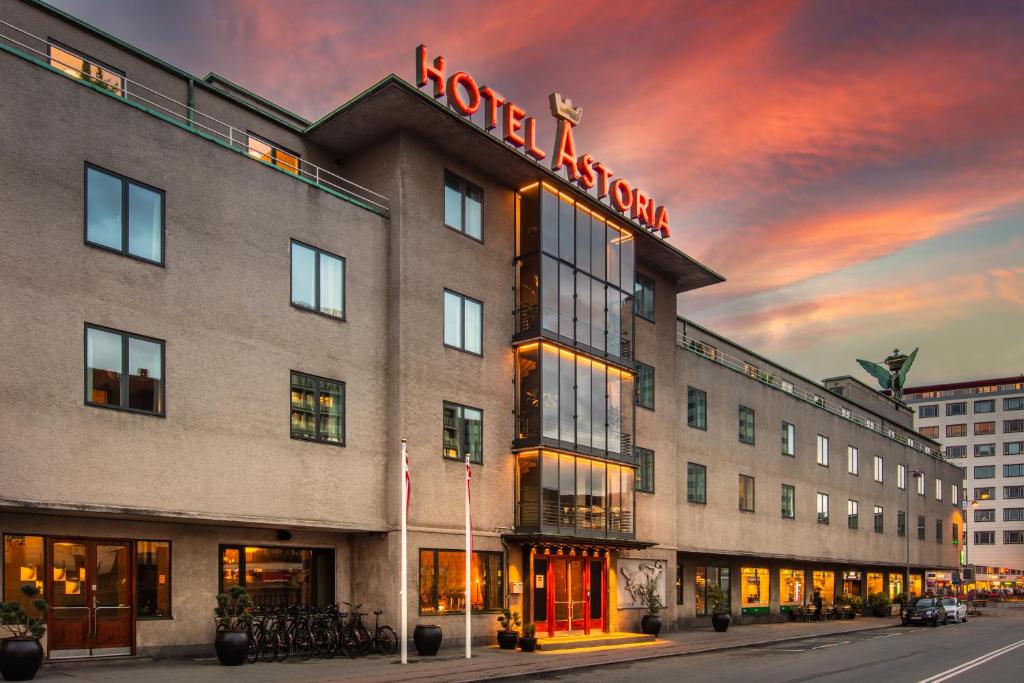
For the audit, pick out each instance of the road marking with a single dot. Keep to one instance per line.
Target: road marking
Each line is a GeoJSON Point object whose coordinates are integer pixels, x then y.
{"type": "Point", "coordinates": [966, 666]}
{"type": "Point", "coordinates": [830, 645]}
{"type": "Point", "coordinates": [889, 635]}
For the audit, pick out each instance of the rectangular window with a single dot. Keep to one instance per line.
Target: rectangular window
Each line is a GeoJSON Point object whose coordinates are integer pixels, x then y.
{"type": "Point", "coordinates": [956, 430]}
{"type": "Point", "coordinates": [920, 528]}
{"type": "Point", "coordinates": [956, 409]}
{"type": "Point", "coordinates": [643, 292]}
{"type": "Point", "coordinates": [696, 408]}
{"type": "Point", "coordinates": [901, 523]}
{"type": "Point", "coordinates": [879, 520]}
{"type": "Point", "coordinates": [124, 371]}
{"type": "Point", "coordinates": [123, 215]}
{"type": "Point", "coordinates": [1013, 470]}
{"type": "Point", "coordinates": [984, 428]}
{"type": "Point", "coordinates": [852, 514]}
{"type": "Point", "coordinates": [1013, 514]}
{"type": "Point", "coordinates": [981, 450]}
{"type": "Point", "coordinates": [984, 538]}
{"type": "Point", "coordinates": [711, 576]}
{"type": "Point", "coordinates": [984, 515]}
{"type": "Point", "coordinates": [279, 577]}
{"type": "Point", "coordinates": [754, 595]}
{"type": "Point", "coordinates": [928, 411]}
{"type": "Point", "coordinates": [746, 425]}
{"type": "Point", "coordinates": [1013, 448]}
{"type": "Point", "coordinates": [272, 153]}
{"type": "Point", "coordinates": [985, 493]}
{"type": "Point", "coordinates": [852, 460]}
{"type": "Point", "coordinates": [985, 472]}
{"type": "Point", "coordinates": [153, 579]}
{"type": "Point", "coordinates": [929, 432]}
{"type": "Point", "coordinates": [1013, 537]}
{"type": "Point", "coordinates": [823, 450]}
{"type": "Point", "coordinates": [901, 476]}
{"type": "Point", "coordinates": [920, 483]}
{"type": "Point", "coordinates": [1015, 403]}
{"type": "Point", "coordinates": [1009, 492]}
{"type": "Point", "coordinates": [791, 587]}
{"type": "Point", "coordinates": [938, 531]}
{"type": "Point", "coordinates": [443, 582]}
{"type": "Point", "coordinates": [788, 501]}
{"type": "Point", "coordinates": [1013, 426]}
{"type": "Point", "coordinates": [24, 565]}
{"type": "Point", "coordinates": [318, 409]}
{"type": "Point", "coordinates": [463, 206]}
{"type": "Point", "coordinates": [645, 470]}
{"type": "Point", "coordinates": [696, 483]}
{"type": "Point", "coordinates": [822, 508]}
{"type": "Point", "coordinates": [954, 494]}
{"type": "Point", "coordinates": [84, 68]}
{"type": "Point", "coordinates": [463, 323]}
{"type": "Point", "coordinates": [938, 489]}
{"type": "Point", "coordinates": [463, 433]}
{"type": "Point", "coordinates": [788, 439]}
{"type": "Point", "coordinates": [318, 280]}
{"type": "Point", "coordinates": [879, 469]}
{"type": "Point", "coordinates": [746, 490]}
{"type": "Point", "coordinates": [645, 386]}
{"type": "Point", "coordinates": [987, 406]}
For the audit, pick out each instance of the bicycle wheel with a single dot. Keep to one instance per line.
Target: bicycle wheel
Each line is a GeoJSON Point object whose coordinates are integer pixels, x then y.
{"type": "Point", "coordinates": [387, 641]}
{"type": "Point", "coordinates": [282, 645]}
{"type": "Point", "coordinates": [254, 646]}
{"type": "Point", "coordinates": [347, 644]}
{"type": "Point", "coordinates": [303, 642]}
{"type": "Point", "coordinates": [266, 646]}
{"type": "Point", "coordinates": [363, 638]}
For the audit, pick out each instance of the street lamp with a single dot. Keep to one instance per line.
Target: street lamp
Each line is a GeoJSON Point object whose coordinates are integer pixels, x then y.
{"type": "Point", "coordinates": [914, 474]}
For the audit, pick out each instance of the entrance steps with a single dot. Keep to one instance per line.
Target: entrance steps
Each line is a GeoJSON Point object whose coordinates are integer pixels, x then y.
{"type": "Point", "coordinates": [573, 641]}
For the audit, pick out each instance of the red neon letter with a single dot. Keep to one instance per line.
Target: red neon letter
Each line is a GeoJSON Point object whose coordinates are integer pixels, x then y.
{"type": "Point", "coordinates": [455, 98]}
{"type": "Point", "coordinates": [661, 222]}
{"type": "Point", "coordinates": [493, 100]}
{"type": "Point", "coordinates": [643, 207]}
{"type": "Point", "coordinates": [424, 71]}
{"type": "Point", "coordinates": [513, 122]}
{"type": "Point", "coordinates": [565, 150]}
{"type": "Point", "coordinates": [622, 195]}
{"type": "Point", "coordinates": [603, 174]}
{"type": "Point", "coordinates": [585, 165]}
{"type": "Point", "coordinates": [531, 140]}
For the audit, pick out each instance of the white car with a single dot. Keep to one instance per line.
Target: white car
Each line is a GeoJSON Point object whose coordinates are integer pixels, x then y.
{"type": "Point", "coordinates": [956, 609]}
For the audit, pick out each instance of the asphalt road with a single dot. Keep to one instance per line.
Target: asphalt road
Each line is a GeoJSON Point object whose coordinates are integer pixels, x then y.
{"type": "Point", "coordinates": [989, 649]}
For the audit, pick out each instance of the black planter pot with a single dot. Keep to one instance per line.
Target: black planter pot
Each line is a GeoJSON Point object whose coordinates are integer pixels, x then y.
{"type": "Point", "coordinates": [881, 611]}
{"type": "Point", "coordinates": [721, 622]}
{"type": "Point", "coordinates": [507, 640]}
{"type": "Point", "coordinates": [427, 638]}
{"type": "Point", "coordinates": [528, 644]}
{"type": "Point", "coordinates": [20, 658]}
{"type": "Point", "coordinates": [651, 624]}
{"type": "Point", "coordinates": [232, 647]}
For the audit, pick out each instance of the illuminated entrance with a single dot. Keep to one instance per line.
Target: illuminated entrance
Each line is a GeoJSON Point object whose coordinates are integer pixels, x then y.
{"type": "Point", "coordinates": [570, 593]}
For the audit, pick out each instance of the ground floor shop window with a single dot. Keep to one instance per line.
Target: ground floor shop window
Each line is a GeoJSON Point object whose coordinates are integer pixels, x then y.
{"type": "Point", "coordinates": [443, 581]}
{"type": "Point", "coordinates": [915, 584]}
{"type": "Point", "coordinates": [279, 577]}
{"type": "Point", "coordinates": [895, 585]}
{"type": "Point", "coordinates": [875, 583]}
{"type": "Point", "coordinates": [791, 586]}
{"type": "Point", "coordinates": [711, 576]}
{"type": "Point", "coordinates": [755, 590]}
{"type": "Point", "coordinates": [153, 579]}
{"type": "Point", "coordinates": [825, 583]}
{"type": "Point", "coordinates": [24, 565]}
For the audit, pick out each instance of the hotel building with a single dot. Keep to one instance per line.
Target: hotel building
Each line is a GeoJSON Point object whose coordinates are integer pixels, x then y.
{"type": "Point", "coordinates": [221, 319]}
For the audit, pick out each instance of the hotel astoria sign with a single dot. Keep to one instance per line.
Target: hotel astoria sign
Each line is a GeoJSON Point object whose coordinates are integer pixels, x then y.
{"type": "Point", "coordinates": [465, 97]}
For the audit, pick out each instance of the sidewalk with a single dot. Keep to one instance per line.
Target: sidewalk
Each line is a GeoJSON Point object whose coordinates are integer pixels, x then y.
{"type": "Point", "coordinates": [451, 665]}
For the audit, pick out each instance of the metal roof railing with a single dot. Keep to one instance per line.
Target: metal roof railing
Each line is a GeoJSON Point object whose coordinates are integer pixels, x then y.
{"type": "Point", "coordinates": [189, 117]}
{"type": "Point", "coordinates": [713, 354]}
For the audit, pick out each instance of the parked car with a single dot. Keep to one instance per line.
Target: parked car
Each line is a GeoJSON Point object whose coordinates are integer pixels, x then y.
{"type": "Point", "coordinates": [956, 609]}
{"type": "Point", "coordinates": [925, 611]}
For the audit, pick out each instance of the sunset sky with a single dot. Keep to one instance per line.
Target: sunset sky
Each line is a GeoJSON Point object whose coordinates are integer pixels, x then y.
{"type": "Point", "coordinates": [854, 169]}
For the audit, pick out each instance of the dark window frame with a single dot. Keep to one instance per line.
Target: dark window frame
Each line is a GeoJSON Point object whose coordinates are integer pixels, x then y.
{"type": "Point", "coordinates": [823, 517]}
{"type": "Point", "coordinates": [1008, 471]}
{"type": "Point", "coordinates": [462, 328]}
{"type": "Point", "coordinates": [987, 402]}
{"type": "Point", "coordinates": [170, 578]}
{"type": "Point", "coordinates": [125, 337]}
{"type": "Point", "coordinates": [984, 515]}
{"type": "Point", "coordinates": [641, 290]}
{"type": "Point", "coordinates": [240, 547]}
{"type": "Point", "coordinates": [463, 186]}
{"type": "Point", "coordinates": [126, 181]}
{"type": "Point", "coordinates": [931, 413]}
{"type": "Point", "coordinates": [463, 442]}
{"type": "Point", "coordinates": [433, 589]}
{"type": "Point", "coordinates": [1013, 403]}
{"type": "Point", "coordinates": [879, 518]}
{"type": "Point", "coordinates": [921, 522]}
{"type": "Point", "coordinates": [984, 537]}
{"type": "Point", "coordinates": [1013, 536]}
{"type": "Point", "coordinates": [64, 47]}
{"type": "Point", "coordinates": [640, 367]}
{"type": "Point", "coordinates": [274, 149]}
{"type": "Point", "coordinates": [316, 277]}
{"type": "Point", "coordinates": [704, 489]}
{"type": "Point", "coordinates": [644, 479]}
{"type": "Point", "coordinates": [316, 411]}
{"type": "Point", "coordinates": [703, 413]}
{"type": "Point", "coordinates": [852, 520]}
{"type": "Point", "coordinates": [792, 511]}
{"type": "Point", "coordinates": [901, 523]}
{"type": "Point", "coordinates": [950, 412]}
{"type": "Point", "coordinates": [786, 441]}
{"type": "Point", "coordinates": [753, 425]}
{"type": "Point", "coordinates": [742, 498]}
{"type": "Point", "coordinates": [986, 468]}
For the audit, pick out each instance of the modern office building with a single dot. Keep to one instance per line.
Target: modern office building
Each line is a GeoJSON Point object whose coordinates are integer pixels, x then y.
{"type": "Point", "coordinates": [221, 319]}
{"type": "Point", "coordinates": [981, 426]}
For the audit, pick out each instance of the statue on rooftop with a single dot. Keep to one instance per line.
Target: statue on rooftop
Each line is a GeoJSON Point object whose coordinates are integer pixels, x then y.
{"type": "Point", "coordinates": [893, 375]}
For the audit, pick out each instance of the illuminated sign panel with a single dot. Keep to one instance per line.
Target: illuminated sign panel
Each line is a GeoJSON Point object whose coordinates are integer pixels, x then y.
{"type": "Point", "coordinates": [466, 97]}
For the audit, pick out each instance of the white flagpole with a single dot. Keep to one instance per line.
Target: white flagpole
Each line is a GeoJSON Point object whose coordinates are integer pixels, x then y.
{"type": "Point", "coordinates": [404, 638]}
{"type": "Point", "coordinates": [469, 553]}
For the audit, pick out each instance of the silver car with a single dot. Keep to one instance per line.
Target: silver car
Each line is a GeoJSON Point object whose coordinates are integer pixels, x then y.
{"type": "Point", "coordinates": [956, 609]}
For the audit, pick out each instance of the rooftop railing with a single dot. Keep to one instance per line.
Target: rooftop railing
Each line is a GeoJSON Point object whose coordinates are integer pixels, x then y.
{"type": "Point", "coordinates": [713, 354]}
{"type": "Point", "coordinates": [118, 85]}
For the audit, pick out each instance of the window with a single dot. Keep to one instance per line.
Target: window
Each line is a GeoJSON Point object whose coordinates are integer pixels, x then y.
{"type": "Point", "coordinates": [318, 280]}
{"type": "Point", "coordinates": [920, 483]}
{"type": "Point", "coordinates": [956, 409]}
{"type": "Point", "coordinates": [954, 494]}
{"type": "Point", "coordinates": [645, 386]}
{"type": "Point", "coordinates": [262, 149]}
{"type": "Point", "coordinates": [1013, 448]}
{"type": "Point", "coordinates": [463, 206]}
{"type": "Point", "coordinates": [746, 425]}
{"type": "Point", "coordinates": [984, 428]}
{"type": "Point", "coordinates": [1015, 403]}
{"type": "Point", "coordinates": [746, 487]}
{"type": "Point", "coordinates": [123, 371]}
{"type": "Point", "coordinates": [443, 581]}
{"type": "Point", "coordinates": [153, 579]}
{"type": "Point", "coordinates": [929, 432]}
{"type": "Point", "coordinates": [984, 538]}
{"type": "Point", "coordinates": [1013, 537]}
{"type": "Point", "coordinates": [463, 433]}
{"type": "Point", "coordinates": [788, 439]}
{"type": "Point", "coordinates": [928, 411]}
{"type": "Point", "coordinates": [984, 514]}
{"type": "Point", "coordinates": [788, 501]}
{"type": "Point", "coordinates": [645, 470]}
{"type": "Point", "coordinates": [82, 67]}
{"type": "Point", "coordinates": [318, 409]}
{"type": "Point", "coordinates": [791, 587]}
{"type": "Point", "coordinates": [956, 430]}
{"type": "Point", "coordinates": [280, 577]}
{"type": "Point", "coordinates": [1013, 514]}
{"type": "Point", "coordinates": [1013, 470]}
{"type": "Point", "coordinates": [822, 508]}
{"type": "Point", "coordinates": [710, 576]}
{"type": "Point", "coordinates": [938, 489]}
{"type": "Point", "coordinates": [754, 590]}
{"type": "Point", "coordinates": [696, 408]}
{"type": "Point", "coordinates": [938, 531]}
{"type": "Point", "coordinates": [879, 520]}
{"type": "Point", "coordinates": [463, 323]}
{"type": "Point", "coordinates": [985, 472]}
{"type": "Point", "coordinates": [901, 523]}
{"type": "Point", "coordinates": [823, 450]}
{"type": "Point", "coordinates": [985, 493]}
{"type": "Point", "coordinates": [643, 291]}
{"type": "Point", "coordinates": [1013, 426]}
{"type": "Point", "coordinates": [901, 476]}
{"type": "Point", "coordinates": [1010, 492]}
{"type": "Point", "coordinates": [852, 514]}
{"type": "Point", "coordinates": [24, 564]}
{"type": "Point", "coordinates": [920, 528]}
{"type": "Point", "coordinates": [123, 215]}
{"type": "Point", "coordinates": [878, 467]}
{"type": "Point", "coordinates": [981, 450]}
{"type": "Point", "coordinates": [987, 406]}
{"type": "Point", "coordinates": [852, 460]}
{"type": "Point", "coordinates": [696, 483]}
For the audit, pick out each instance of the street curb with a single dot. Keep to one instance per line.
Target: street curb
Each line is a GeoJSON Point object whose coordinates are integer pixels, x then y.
{"type": "Point", "coordinates": [663, 655]}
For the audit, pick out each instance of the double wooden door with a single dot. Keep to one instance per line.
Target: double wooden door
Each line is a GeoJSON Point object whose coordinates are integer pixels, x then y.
{"type": "Point", "coordinates": [578, 592]}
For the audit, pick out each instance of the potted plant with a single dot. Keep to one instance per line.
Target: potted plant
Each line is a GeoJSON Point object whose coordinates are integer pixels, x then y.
{"type": "Point", "coordinates": [508, 636]}
{"type": "Point", "coordinates": [234, 617]}
{"type": "Point", "coordinates": [651, 622]}
{"type": "Point", "coordinates": [20, 652]}
{"type": "Point", "coordinates": [901, 600]}
{"type": "Point", "coordinates": [719, 619]}
{"type": "Point", "coordinates": [528, 641]}
{"type": "Point", "coordinates": [879, 604]}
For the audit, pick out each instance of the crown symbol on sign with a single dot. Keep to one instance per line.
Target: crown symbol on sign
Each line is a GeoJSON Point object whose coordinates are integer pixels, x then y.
{"type": "Point", "coordinates": [563, 108]}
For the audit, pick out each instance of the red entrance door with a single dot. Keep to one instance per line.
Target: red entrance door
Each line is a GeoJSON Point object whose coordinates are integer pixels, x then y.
{"type": "Point", "coordinates": [90, 596]}
{"type": "Point", "coordinates": [576, 597]}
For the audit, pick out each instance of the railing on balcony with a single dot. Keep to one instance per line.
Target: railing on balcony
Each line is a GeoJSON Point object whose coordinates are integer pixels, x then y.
{"type": "Point", "coordinates": [32, 46]}
{"type": "Point", "coordinates": [528, 325]}
{"type": "Point", "coordinates": [528, 435]}
{"type": "Point", "coordinates": [551, 516]}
